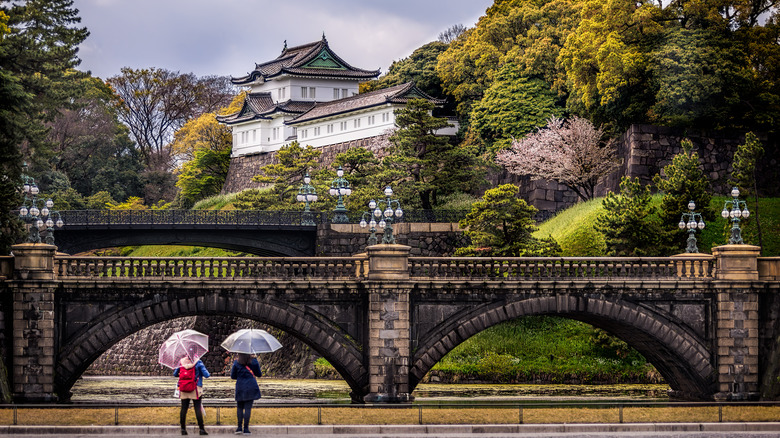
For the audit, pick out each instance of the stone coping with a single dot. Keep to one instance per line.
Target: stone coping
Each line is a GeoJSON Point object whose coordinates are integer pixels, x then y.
{"type": "Point", "coordinates": [492, 430]}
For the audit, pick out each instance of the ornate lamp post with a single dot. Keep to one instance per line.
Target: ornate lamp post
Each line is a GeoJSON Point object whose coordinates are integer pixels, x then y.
{"type": "Point", "coordinates": [734, 214]}
{"type": "Point", "coordinates": [371, 224]}
{"type": "Point", "coordinates": [340, 187]}
{"type": "Point", "coordinates": [307, 194]}
{"type": "Point", "coordinates": [385, 218]}
{"type": "Point", "coordinates": [36, 221]}
{"type": "Point", "coordinates": [691, 221]}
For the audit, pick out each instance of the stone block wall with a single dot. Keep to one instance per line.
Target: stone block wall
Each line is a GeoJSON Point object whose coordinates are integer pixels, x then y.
{"type": "Point", "coordinates": [425, 240]}
{"type": "Point", "coordinates": [136, 355]}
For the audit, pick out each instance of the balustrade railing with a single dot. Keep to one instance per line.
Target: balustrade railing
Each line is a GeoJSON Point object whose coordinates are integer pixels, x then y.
{"type": "Point", "coordinates": [430, 268]}
{"type": "Point", "coordinates": [283, 268]}
{"type": "Point", "coordinates": [563, 268]}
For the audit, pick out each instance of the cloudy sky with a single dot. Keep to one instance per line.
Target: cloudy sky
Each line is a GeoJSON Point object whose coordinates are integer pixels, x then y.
{"type": "Point", "coordinates": [227, 37]}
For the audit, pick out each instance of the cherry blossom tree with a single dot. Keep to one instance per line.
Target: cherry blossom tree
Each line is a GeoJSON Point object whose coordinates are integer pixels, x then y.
{"type": "Point", "coordinates": [570, 152]}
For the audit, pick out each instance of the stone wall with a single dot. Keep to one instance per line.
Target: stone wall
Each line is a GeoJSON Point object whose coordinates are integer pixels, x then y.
{"type": "Point", "coordinates": [425, 240]}
{"type": "Point", "coordinates": [243, 168]}
{"type": "Point", "coordinates": [137, 354]}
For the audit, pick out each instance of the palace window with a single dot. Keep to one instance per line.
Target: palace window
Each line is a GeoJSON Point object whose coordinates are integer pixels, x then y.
{"type": "Point", "coordinates": [343, 126]}
{"type": "Point", "coordinates": [312, 92]}
{"type": "Point", "coordinates": [317, 131]}
{"type": "Point", "coordinates": [371, 120]}
{"type": "Point", "coordinates": [357, 123]}
{"type": "Point", "coordinates": [304, 93]}
{"type": "Point", "coordinates": [344, 93]}
{"type": "Point", "coordinates": [335, 93]}
{"type": "Point", "coordinates": [385, 117]}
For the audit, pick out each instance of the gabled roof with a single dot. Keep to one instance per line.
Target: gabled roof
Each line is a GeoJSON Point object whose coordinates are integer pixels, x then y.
{"type": "Point", "coordinates": [313, 59]}
{"type": "Point", "coordinates": [261, 106]}
{"type": "Point", "coordinates": [398, 94]}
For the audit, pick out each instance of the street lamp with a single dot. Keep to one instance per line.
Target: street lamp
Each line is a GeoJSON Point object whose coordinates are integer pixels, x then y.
{"type": "Point", "coordinates": [734, 214]}
{"type": "Point", "coordinates": [384, 218]}
{"type": "Point", "coordinates": [371, 224]}
{"type": "Point", "coordinates": [307, 194]}
{"type": "Point", "coordinates": [340, 187]}
{"type": "Point", "coordinates": [691, 221]}
{"type": "Point", "coordinates": [37, 220]}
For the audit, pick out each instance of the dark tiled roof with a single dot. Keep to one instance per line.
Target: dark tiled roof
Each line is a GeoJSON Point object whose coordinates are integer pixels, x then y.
{"type": "Point", "coordinates": [398, 94]}
{"type": "Point", "coordinates": [261, 106]}
{"type": "Point", "coordinates": [313, 59]}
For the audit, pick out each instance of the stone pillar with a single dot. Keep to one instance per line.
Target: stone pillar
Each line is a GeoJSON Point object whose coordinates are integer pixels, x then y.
{"type": "Point", "coordinates": [737, 322]}
{"type": "Point", "coordinates": [33, 322]}
{"type": "Point", "coordinates": [389, 334]}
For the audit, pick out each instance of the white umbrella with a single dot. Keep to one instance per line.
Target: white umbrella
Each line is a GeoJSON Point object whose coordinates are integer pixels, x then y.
{"type": "Point", "coordinates": [251, 341]}
{"type": "Point", "coordinates": [186, 343]}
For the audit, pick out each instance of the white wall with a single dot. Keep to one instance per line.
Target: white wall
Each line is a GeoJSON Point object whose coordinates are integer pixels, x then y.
{"type": "Point", "coordinates": [292, 88]}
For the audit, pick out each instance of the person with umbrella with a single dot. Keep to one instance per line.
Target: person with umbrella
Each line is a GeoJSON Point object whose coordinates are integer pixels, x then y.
{"type": "Point", "coordinates": [246, 369]}
{"type": "Point", "coordinates": [182, 352]}
{"type": "Point", "coordinates": [200, 372]}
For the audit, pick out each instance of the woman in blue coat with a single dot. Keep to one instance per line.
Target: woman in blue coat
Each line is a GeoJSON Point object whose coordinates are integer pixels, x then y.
{"type": "Point", "coordinates": [245, 371]}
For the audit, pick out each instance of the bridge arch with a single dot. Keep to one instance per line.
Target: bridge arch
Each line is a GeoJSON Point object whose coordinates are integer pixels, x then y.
{"type": "Point", "coordinates": [680, 355]}
{"type": "Point", "coordinates": [313, 329]}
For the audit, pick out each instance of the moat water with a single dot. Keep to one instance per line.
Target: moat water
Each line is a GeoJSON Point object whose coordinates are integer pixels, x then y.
{"type": "Point", "coordinates": [161, 389]}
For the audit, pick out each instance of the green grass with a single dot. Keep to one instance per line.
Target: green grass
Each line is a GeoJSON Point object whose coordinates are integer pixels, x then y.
{"type": "Point", "coordinates": [546, 349]}
{"type": "Point", "coordinates": [573, 228]}
{"type": "Point", "coordinates": [217, 202]}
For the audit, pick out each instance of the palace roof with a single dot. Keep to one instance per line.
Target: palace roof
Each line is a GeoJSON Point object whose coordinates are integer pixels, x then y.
{"type": "Point", "coordinates": [313, 59]}
{"type": "Point", "coordinates": [398, 94]}
{"type": "Point", "coordinates": [261, 106]}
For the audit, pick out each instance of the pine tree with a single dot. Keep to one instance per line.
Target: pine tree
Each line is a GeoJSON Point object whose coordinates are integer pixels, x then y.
{"type": "Point", "coordinates": [501, 224]}
{"type": "Point", "coordinates": [682, 181]}
{"type": "Point", "coordinates": [627, 223]}
{"type": "Point", "coordinates": [743, 174]}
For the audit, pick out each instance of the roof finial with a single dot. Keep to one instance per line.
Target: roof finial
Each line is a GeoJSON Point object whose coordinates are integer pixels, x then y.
{"type": "Point", "coordinates": [323, 36]}
{"type": "Point", "coordinates": [284, 49]}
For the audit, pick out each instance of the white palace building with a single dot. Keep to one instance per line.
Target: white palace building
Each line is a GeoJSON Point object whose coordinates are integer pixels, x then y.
{"type": "Point", "coordinates": [310, 94]}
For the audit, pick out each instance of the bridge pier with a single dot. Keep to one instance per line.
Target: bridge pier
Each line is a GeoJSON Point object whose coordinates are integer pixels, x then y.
{"type": "Point", "coordinates": [737, 320]}
{"type": "Point", "coordinates": [33, 323]}
{"type": "Point", "coordinates": [389, 332]}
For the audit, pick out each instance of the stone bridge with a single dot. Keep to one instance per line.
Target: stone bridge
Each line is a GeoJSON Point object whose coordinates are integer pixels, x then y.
{"type": "Point", "coordinates": [263, 233]}
{"type": "Point", "coordinates": [709, 324]}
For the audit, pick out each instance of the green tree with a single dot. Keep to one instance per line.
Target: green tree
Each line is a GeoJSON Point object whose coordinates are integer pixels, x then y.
{"type": "Point", "coordinates": [628, 223]}
{"type": "Point", "coordinates": [501, 224]}
{"type": "Point", "coordinates": [294, 162]}
{"type": "Point", "coordinates": [207, 145]}
{"type": "Point", "coordinates": [528, 33]}
{"type": "Point", "coordinates": [682, 181]}
{"type": "Point", "coordinates": [513, 106]}
{"type": "Point", "coordinates": [38, 46]}
{"type": "Point", "coordinates": [428, 163]}
{"type": "Point", "coordinates": [419, 67]}
{"type": "Point", "coordinates": [743, 175]}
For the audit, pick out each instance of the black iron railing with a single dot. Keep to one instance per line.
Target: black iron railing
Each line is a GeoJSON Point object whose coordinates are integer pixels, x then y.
{"type": "Point", "coordinates": [231, 217]}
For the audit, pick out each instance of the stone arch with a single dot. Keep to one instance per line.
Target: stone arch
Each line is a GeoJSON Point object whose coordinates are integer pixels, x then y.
{"type": "Point", "coordinates": [81, 350]}
{"type": "Point", "coordinates": [680, 356]}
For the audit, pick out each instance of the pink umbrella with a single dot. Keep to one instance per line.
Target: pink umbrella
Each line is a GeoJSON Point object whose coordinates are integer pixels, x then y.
{"type": "Point", "coordinates": [186, 343]}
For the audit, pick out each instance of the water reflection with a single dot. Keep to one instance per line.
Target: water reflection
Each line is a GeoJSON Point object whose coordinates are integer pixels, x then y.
{"type": "Point", "coordinates": [160, 389]}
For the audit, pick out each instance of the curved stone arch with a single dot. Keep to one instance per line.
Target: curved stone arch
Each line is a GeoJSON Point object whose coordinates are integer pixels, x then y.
{"type": "Point", "coordinates": [81, 350]}
{"type": "Point", "coordinates": [679, 355]}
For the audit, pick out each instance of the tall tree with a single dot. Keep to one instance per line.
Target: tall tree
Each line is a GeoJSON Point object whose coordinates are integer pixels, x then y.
{"type": "Point", "coordinates": [571, 152]}
{"type": "Point", "coordinates": [501, 224]}
{"type": "Point", "coordinates": [513, 106]}
{"type": "Point", "coordinates": [429, 163]}
{"type": "Point", "coordinates": [419, 67]}
{"type": "Point", "coordinates": [743, 175]}
{"type": "Point", "coordinates": [528, 33]}
{"type": "Point", "coordinates": [682, 181]}
{"type": "Point", "coordinates": [154, 103]}
{"type": "Point", "coordinates": [38, 48]}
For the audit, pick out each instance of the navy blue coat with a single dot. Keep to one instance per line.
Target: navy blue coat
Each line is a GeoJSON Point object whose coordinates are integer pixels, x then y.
{"type": "Point", "coordinates": [246, 383]}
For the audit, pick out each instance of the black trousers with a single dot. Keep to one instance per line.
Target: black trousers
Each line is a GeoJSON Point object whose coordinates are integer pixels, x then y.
{"type": "Point", "coordinates": [243, 412]}
{"type": "Point", "coordinates": [185, 404]}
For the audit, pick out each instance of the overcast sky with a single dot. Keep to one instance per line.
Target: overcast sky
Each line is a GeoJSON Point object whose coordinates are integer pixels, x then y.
{"type": "Point", "coordinates": [227, 37]}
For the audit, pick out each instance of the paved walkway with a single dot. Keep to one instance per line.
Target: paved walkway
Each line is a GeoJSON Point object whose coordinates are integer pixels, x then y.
{"type": "Point", "coordinates": [644, 430]}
